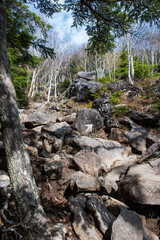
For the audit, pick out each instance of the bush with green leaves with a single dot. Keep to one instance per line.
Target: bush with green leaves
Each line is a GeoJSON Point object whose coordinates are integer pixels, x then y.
{"type": "Point", "coordinates": [121, 111]}
{"type": "Point", "coordinates": [100, 92]}
{"type": "Point", "coordinates": [115, 97]}
{"type": "Point", "coordinates": [65, 84]}
{"type": "Point", "coordinates": [104, 79]}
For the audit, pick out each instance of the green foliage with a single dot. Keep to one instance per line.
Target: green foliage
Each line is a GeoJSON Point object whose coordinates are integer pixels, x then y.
{"type": "Point", "coordinates": [105, 20]}
{"type": "Point", "coordinates": [115, 97]}
{"type": "Point", "coordinates": [141, 71]}
{"type": "Point", "coordinates": [64, 85]}
{"type": "Point", "coordinates": [36, 95]}
{"type": "Point", "coordinates": [157, 103]}
{"type": "Point", "coordinates": [121, 111]}
{"type": "Point", "coordinates": [89, 105]}
{"type": "Point", "coordinates": [104, 79]}
{"type": "Point", "coordinates": [100, 92]}
{"type": "Point", "coordinates": [22, 25]}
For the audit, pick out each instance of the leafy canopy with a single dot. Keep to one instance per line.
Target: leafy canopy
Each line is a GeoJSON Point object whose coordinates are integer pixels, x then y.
{"type": "Point", "coordinates": [105, 20]}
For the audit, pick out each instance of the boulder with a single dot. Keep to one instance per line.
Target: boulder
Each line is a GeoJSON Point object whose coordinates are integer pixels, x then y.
{"type": "Point", "coordinates": [101, 160]}
{"type": "Point", "coordinates": [144, 119]}
{"type": "Point", "coordinates": [104, 218]}
{"type": "Point", "coordinates": [150, 152]}
{"type": "Point", "coordinates": [150, 139]}
{"type": "Point", "coordinates": [82, 89]}
{"type": "Point", "coordinates": [113, 205]}
{"type": "Point", "coordinates": [108, 181]}
{"type": "Point", "coordinates": [53, 168]}
{"type": "Point", "coordinates": [128, 225]}
{"type": "Point", "coordinates": [58, 129]}
{"type": "Point", "coordinates": [47, 142]}
{"type": "Point", "coordinates": [142, 184]}
{"type": "Point", "coordinates": [130, 89]}
{"type": "Point", "coordinates": [34, 118]}
{"type": "Point", "coordinates": [87, 161]}
{"type": "Point", "coordinates": [137, 140]}
{"type": "Point", "coordinates": [88, 117]}
{"type": "Point", "coordinates": [89, 76]}
{"type": "Point", "coordinates": [103, 105]}
{"type": "Point", "coordinates": [83, 226]}
{"type": "Point", "coordinates": [82, 182]}
{"type": "Point", "coordinates": [91, 143]}
{"type": "Point", "coordinates": [68, 118]}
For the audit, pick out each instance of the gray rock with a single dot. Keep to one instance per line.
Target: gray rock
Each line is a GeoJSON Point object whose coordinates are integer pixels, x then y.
{"type": "Point", "coordinates": [87, 161]}
{"type": "Point", "coordinates": [140, 130]}
{"type": "Point", "coordinates": [150, 151]}
{"type": "Point", "coordinates": [109, 180]}
{"type": "Point", "coordinates": [91, 143]}
{"type": "Point", "coordinates": [47, 142]}
{"type": "Point", "coordinates": [38, 117]}
{"type": "Point", "coordinates": [90, 76]}
{"type": "Point", "coordinates": [110, 123]}
{"type": "Point", "coordinates": [128, 225]}
{"type": "Point", "coordinates": [82, 224]}
{"type": "Point", "coordinates": [89, 116]}
{"type": "Point", "coordinates": [82, 182]}
{"type": "Point", "coordinates": [53, 168]}
{"type": "Point", "coordinates": [109, 156]}
{"type": "Point", "coordinates": [4, 179]}
{"type": "Point", "coordinates": [103, 216]}
{"type": "Point", "coordinates": [58, 129]}
{"type": "Point", "coordinates": [83, 90]}
{"type": "Point", "coordinates": [59, 231]}
{"type": "Point", "coordinates": [136, 140]}
{"type": "Point", "coordinates": [144, 119]}
{"type": "Point", "coordinates": [113, 205]}
{"type": "Point", "coordinates": [130, 89]}
{"type": "Point", "coordinates": [69, 118]}
{"type": "Point", "coordinates": [141, 184]}
{"type": "Point", "coordinates": [103, 105]}
{"type": "Point", "coordinates": [91, 162]}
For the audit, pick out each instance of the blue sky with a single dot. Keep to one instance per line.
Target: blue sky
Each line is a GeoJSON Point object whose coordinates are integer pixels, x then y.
{"type": "Point", "coordinates": [62, 23]}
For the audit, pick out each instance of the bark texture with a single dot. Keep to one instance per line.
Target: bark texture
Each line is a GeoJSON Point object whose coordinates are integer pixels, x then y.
{"type": "Point", "coordinates": [31, 212]}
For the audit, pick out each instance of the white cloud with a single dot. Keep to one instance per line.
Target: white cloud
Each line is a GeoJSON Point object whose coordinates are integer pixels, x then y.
{"type": "Point", "coordinates": [62, 23]}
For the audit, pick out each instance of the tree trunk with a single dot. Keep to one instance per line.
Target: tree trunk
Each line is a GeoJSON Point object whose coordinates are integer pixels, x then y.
{"type": "Point", "coordinates": [129, 62]}
{"type": "Point", "coordinates": [31, 212]}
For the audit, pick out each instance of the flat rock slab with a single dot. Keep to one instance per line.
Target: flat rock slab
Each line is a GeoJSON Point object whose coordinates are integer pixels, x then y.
{"type": "Point", "coordinates": [83, 182]}
{"type": "Point", "coordinates": [92, 143]}
{"type": "Point", "coordinates": [90, 76]}
{"type": "Point", "coordinates": [38, 117]}
{"type": "Point", "coordinates": [128, 225]}
{"type": "Point", "coordinates": [142, 184]}
{"type": "Point", "coordinates": [103, 159]}
{"type": "Point", "coordinates": [58, 130]}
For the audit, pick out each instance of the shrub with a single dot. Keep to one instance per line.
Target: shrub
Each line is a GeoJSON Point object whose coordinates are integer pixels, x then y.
{"type": "Point", "coordinates": [121, 111]}
{"type": "Point", "coordinates": [100, 92]}
{"type": "Point", "coordinates": [115, 97]}
{"type": "Point", "coordinates": [104, 79]}
{"type": "Point", "coordinates": [36, 95]}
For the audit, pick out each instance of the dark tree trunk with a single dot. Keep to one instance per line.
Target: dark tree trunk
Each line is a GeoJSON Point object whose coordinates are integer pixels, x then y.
{"type": "Point", "coordinates": [31, 212]}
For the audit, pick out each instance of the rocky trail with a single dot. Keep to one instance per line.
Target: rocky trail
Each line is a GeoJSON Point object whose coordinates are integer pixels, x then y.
{"type": "Point", "coordinates": [98, 174]}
